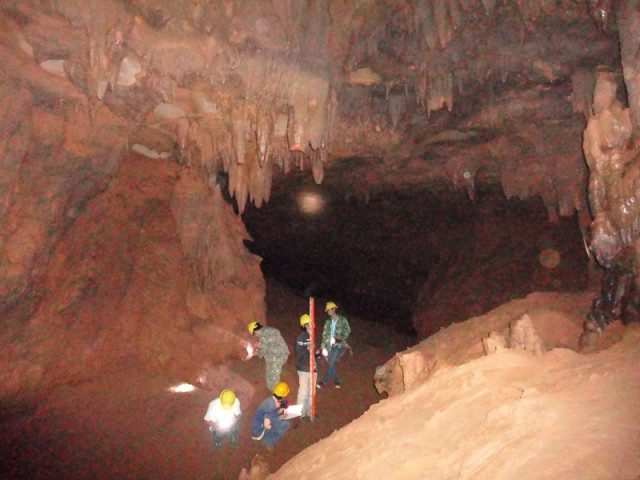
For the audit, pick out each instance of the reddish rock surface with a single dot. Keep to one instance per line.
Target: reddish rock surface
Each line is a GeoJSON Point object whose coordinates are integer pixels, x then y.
{"type": "Point", "coordinates": [132, 131]}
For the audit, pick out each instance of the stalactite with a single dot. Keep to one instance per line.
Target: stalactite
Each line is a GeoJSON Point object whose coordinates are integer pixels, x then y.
{"type": "Point", "coordinates": [264, 129]}
{"type": "Point", "coordinates": [489, 6]}
{"type": "Point", "coordinates": [524, 9]}
{"type": "Point", "coordinates": [99, 66]}
{"type": "Point", "coordinates": [442, 21]}
{"type": "Point", "coordinates": [460, 77]}
{"type": "Point", "coordinates": [183, 133]}
{"type": "Point", "coordinates": [239, 184]}
{"type": "Point", "coordinates": [426, 25]}
{"type": "Point", "coordinates": [422, 84]}
{"type": "Point", "coordinates": [202, 138]}
{"type": "Point", "coordinates": [316, 167]}
{"type": "Point", "coordinates": [287, 161]}
{"type": "Point", "coordinates": [233, 177]}
{"type": "Point", "coordinates": [256, 187]}
{"type": "Point", "coordinates": [332, 112]}
{"type": "Point", "coordinates": [397, 106]}
{"type": "Point", "coordinates": [294, 131]}
{"type": "Point", "coordinates": [440, 91]}
{"type": "Point", "coordinates": [222, 147]}
{"type": "Point", "coordinates": [239, 129]}
{"type": "Point", "coordinates": [298, 158]}
{"type": "Point", "coordinates": [455, 13]}
{"type": "Point", "coordinates": [308, 95]}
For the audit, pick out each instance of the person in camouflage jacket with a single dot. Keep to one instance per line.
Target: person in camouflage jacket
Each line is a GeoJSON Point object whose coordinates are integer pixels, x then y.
{"type": "Point", "coordinates": [334, 335]}
{"type": "Point", "coordinates": [274, 350]}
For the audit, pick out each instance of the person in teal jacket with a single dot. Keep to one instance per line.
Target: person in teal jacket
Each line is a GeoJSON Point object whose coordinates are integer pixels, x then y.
{"type": "Point", "coordinates": [334, 335]}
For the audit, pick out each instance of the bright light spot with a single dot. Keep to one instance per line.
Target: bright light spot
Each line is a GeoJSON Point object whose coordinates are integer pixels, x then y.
{"type": "Point", "coordinates": [182, 388]}
{"type": "Point", "coordinates": [249, 351]}
{"type": "Point", "coordinates": [549, 258]}
{"type": "Point", "coordinates": [225, 422]}
{"type": "Point", "coordinates": [310, 203]}
{"type": "Point", "coordinates": [466, 175]}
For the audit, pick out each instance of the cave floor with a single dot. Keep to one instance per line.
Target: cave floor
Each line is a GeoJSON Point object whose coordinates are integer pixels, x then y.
{"type": "Point", "coordinates": [126, 424]}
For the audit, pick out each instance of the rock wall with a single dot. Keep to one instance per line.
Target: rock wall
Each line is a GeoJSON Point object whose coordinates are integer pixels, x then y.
{"type": "Point", "coordinates": [141, 273]}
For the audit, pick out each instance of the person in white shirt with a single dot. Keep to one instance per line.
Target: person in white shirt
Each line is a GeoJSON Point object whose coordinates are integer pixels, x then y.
{"type": "Point", "coordinates": [223, 418]}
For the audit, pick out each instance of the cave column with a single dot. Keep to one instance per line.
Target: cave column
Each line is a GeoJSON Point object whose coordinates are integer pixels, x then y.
{"type": "Point", "coordinates": [628, 20]}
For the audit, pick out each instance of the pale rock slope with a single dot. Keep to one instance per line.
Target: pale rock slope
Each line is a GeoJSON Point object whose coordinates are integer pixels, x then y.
{"type": "Point", "coordinates": [459, 410]}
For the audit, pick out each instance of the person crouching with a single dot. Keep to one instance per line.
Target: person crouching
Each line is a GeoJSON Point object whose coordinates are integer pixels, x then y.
{"type": "Point", "coordinates": [268, 423]}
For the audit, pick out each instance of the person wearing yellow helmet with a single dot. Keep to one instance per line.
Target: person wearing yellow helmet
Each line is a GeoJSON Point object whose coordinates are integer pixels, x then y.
{"type": "Point", "coordinates": [271, 347]}
{"type": "Point", "coordinates": [334, 335]}
{"type": "Point", "coordinates": [223, 418]}
{"type": "Point", "coordinates": [302, 350]}
{"type": "Point", "coordinates": [269, 423]}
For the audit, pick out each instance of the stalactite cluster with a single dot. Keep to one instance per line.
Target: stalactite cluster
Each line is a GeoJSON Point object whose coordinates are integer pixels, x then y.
{"type": "Point", "coordinates": [241, 96]}
{"type": "Point", "coordinates": [428, 36]}
{"type": "Point", "coordinates": [224, 106]}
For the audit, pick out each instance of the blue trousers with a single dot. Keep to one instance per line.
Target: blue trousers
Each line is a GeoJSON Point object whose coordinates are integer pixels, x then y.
{"type": "Point", "coordinates": [272, 435]}
{"type": "Point", "coordinates": [331, 372]}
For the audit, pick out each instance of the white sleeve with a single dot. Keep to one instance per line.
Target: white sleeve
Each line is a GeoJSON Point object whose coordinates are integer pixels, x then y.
{"type": "Point", "coordinates": [212, 411]}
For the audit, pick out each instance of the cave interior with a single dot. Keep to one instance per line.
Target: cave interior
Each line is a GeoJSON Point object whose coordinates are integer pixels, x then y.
{"type": "Point", "coordinates": [419, 162]}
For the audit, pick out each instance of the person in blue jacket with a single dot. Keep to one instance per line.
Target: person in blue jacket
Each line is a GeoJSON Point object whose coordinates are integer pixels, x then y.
{"type": "Point", "coordinates": [268, 423]}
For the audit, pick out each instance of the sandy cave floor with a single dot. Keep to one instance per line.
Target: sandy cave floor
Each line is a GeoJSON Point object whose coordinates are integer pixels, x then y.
{"type": "Point", "coordinates": [125, 424]}
{"type": "Point", "coordinates": [565, 415]}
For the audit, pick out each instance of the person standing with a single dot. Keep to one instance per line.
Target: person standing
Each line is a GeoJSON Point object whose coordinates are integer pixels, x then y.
{"type": "Point", "coordinates": [268, 423]}
{"type": "Point", "coordinates": [302, 350]}
{"type": "Point", "coordinates": [274, 350]}
{"type": "Point", "coordinates": [223, 418]}
{"type": "Point", "coordinates": [334, 334]}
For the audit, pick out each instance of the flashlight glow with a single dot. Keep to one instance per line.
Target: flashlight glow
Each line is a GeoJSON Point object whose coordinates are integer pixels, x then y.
{"type": "Point", "coordinates": [249, 351]}
{"type": "Point", "coordinates": [182, 388]}
{"type": "Point", "coordinates": [225, 422]}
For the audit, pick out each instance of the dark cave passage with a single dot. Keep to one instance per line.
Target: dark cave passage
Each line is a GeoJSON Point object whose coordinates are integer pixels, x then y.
{"type": "Point", "coordinates": [386, 256]}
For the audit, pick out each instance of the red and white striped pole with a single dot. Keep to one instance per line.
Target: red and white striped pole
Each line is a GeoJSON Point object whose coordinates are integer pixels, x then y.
{"type": "Point", "coordinates": [312, 359]}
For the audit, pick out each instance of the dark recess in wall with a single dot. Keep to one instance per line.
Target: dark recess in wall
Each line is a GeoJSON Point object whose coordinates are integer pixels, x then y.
{"type": "Point", "coordinates": [374, 254]}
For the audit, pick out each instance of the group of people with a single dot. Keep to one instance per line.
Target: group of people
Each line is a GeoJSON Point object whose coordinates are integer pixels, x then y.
{"type": "Point", "coordinates": [270, 419]}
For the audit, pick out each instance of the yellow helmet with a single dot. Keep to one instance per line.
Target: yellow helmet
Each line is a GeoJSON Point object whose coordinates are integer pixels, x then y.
{"type": "Point", "coordinates": [329, 306]}
{"type": "Point", "coordinates": [304, 319]}
{"type": "Point", "coordinates": [281, 389]}
{"type": "Point", "coordinates": [251, 327]}
{"type": "Point", "coordinates": [227, 397]}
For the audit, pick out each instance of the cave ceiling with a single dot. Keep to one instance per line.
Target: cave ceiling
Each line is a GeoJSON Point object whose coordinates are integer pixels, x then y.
{"type": "Point", "coordinates": [369, 100]}
{"type": "Point", "coordinates": [390, 94]}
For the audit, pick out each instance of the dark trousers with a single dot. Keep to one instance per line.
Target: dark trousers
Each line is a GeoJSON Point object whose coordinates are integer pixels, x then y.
{"type": "Point", "coordinates": [331, 372]}
{"type": "Point", "coordinates": [231, 434]}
